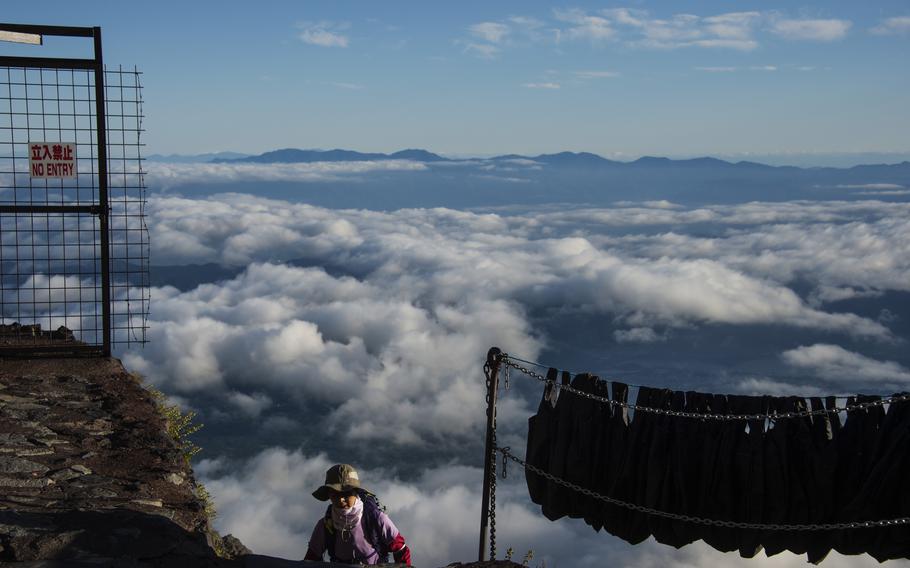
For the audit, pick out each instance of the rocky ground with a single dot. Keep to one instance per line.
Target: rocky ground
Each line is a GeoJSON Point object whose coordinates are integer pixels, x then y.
{"type": "Point", "coordinates": [87, 469]}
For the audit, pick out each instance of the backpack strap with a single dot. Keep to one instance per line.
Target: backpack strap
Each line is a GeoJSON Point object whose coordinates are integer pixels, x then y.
{"type": "Point", "coordinates": [329, 528]}
{"type": "Point", "coordinates": [372, 524]}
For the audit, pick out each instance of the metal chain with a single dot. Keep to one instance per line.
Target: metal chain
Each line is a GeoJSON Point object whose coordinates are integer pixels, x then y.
{"type": "Point", "coordinates": [488, 371]}
{"type": "Point", "coordinates": [690, 519]}
{"type": "Point", "coordinates": [682, 414]}
{"type": "Point", "coordinates": [493, 499]}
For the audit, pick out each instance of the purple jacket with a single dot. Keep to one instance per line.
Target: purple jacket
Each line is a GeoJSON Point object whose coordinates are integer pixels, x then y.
{"type": "Point", "coordinates": [354, 547]}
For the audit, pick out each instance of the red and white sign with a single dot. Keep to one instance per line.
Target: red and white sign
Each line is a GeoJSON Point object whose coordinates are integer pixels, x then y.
{"type": "Point", "coordinates": [52, 159]}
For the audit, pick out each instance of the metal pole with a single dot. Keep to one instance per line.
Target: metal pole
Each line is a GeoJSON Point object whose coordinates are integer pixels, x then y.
{"type": "Point", "coordinates": [102, 196]}
{"type": "Point", "coordinates": [493, 361]}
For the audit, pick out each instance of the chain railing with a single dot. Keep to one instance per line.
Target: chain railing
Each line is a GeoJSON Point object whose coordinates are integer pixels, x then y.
{"type": "Point", "coordinates": [511, 363]}
{"type": "Point", "coordinates": [497, 360]}
{"type": "Point", "coordinates": [488, 505]}
{"type": "Point", "coordinates": [700, 520]}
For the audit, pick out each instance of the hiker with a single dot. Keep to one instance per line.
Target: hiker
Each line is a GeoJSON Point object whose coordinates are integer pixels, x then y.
{"type": "Point", "coordinates": [355, 529]}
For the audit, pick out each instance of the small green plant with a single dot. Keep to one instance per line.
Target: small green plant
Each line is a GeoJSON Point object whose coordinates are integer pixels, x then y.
{"type": "Point", "coordinates": [208, 506]}
{"type": "Point", "coordinates": [510, 551]}
{"type": "Point", "coordinates": [179, 425]}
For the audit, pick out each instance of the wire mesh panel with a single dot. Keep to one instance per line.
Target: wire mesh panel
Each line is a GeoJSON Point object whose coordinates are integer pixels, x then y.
{"type": "Point", "coordinates": [129, 238]}
{"type": "Point", "coordinates": [52, 273]}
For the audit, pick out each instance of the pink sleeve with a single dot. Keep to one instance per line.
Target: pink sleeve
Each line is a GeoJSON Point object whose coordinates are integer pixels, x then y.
{"type": "Point", "coordinates": [395, 540]}
{"type": "Point", "coordinates": [400, 550]}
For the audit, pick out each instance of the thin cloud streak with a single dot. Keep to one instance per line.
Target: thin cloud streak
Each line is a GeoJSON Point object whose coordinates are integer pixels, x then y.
{"type": "Point", "coordinates": [898, 25]}
{"type": "Point", "coordinates": [811, 30]}
{"type": "Point", "coordinates": [323, 34]}
{"type": "Point", "coordinates": [167, 175]}
{"type": "Point", "coordinates": [834, 363]}
{"type": "Point", "coordinates": [638, 28]}
{"type": "Point", "coordinates": [492, 32]}
{"type": "Point", "coordinates": [550, 86]}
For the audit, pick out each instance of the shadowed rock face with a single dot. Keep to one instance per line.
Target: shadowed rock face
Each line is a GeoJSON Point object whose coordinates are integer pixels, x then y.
{"type": "Point", "coordinates": [87, 469]}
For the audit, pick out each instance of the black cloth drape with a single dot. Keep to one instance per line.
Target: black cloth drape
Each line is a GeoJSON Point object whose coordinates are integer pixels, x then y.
{"type": "Point", "coordinates": [821, 469]}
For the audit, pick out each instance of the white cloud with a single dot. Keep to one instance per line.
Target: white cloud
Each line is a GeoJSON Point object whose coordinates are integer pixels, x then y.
{"type": "Point", "coordinates": [734, 25]}
{"type": "Point", "coordinates": [492, 32]}
{"type": "Point", "coordinates": [637, 335]}
{"type": "Point", "coordinates": [304, 336]}
{"type": "Point", "coordinates": [584, 26]}
{"type": "Point", "coordinates": [526, 23]}
{"type": "Point", "coordinates": [814, 30]}
{"type": "Point", "coordinates": [870, 186]}
{"type": "Point", "coordinates": [487, 39]}
{"type": "Point", "coordinates": [835, 364]}
{"type": "Point", "coordinates": [398, 308]}
{"type": "Point", "coordinates": [763, 386]}
{"type": "Point", "coordinates": [627, 17]}
{"type": "Point", "coordinates": [826, 294]}
{"type": "Point", "coordinates": [503, 179]}
{"type": "Point", "coordinates": [763, 68]}
{"type": "Point", "coordinates": [596, 74]}
{"type": "Point", "coordinates": [640, 29]}
{"type": "Point", "coordinates": [324, 34]}
{"type": "Point", "coordinates": [348, 86]}
{"type": "Point", "coordinates": [724, 31]}
{"type": "Point", "coordinates": [482, 50]}
{"type": "Point", "coordinates": [166, 175]}
{"type": "Point", "coordinates": [887, 192]}
{"type": "Point", "coordinates": [250, 404]}
{"type": "Point", "coordinates": [737, 44]}
{"type": "Point", "coordinates": [551, 86]}
{"type": "Point", "coordinates": [893, 26]}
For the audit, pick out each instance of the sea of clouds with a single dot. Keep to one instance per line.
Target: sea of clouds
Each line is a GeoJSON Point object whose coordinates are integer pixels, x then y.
{"type": "Point", "coordinates": [358, 336]}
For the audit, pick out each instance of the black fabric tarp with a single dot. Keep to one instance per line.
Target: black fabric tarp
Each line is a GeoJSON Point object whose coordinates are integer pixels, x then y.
{"type": "Point", "coordinates": [822, 469]}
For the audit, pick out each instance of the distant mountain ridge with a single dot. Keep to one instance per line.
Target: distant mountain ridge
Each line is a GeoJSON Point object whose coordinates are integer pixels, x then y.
{"type": "Point", "coordinates": [560, 159]}
{"type": "Point", "coordinates": [294, 155]}
{"type": "Point", "coordinates": [562, 177]}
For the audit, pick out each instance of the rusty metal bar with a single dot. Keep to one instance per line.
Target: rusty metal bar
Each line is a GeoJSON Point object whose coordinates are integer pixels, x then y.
{"type": "Point", "coordinates": [493, 361]}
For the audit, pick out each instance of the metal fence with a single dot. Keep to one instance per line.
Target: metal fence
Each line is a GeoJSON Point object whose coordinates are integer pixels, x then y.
{"type": "Point", "coordinates": [74, 245]}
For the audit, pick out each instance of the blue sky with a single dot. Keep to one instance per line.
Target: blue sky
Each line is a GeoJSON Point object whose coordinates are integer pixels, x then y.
{"type": "Point", "coordinates": [616, 78]}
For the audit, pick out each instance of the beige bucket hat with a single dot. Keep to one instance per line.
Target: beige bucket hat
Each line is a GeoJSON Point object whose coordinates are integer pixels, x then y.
{"type": "Point", "coordinates": [342, 478]}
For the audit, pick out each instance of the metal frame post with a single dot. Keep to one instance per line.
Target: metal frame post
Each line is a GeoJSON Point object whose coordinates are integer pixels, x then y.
{"type": "Point", "coordinates": [494, 358]}
{"type": "Point", "coordinates": [103, 206]}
